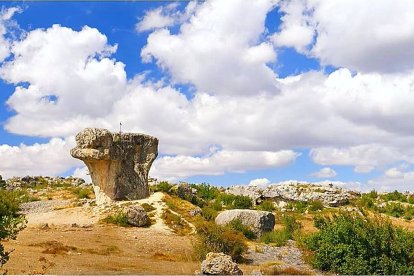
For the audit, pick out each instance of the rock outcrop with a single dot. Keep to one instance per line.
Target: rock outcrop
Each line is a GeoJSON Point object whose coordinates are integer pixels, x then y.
{"type": "Point", "coordinates": [219, 264]}
{"type": "Point", "coordinates": [137, 216]}
{"type": "Point", "coordinates": [118, 162]}
{"type": "Point", "coordinates": [328, 194]}
{"type": "Point", "coordinates": [257, 221]}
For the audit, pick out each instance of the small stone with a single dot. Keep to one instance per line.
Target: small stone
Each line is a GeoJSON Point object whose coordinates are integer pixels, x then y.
{"type": "Point", "coordinates": [137, 216]}
{"type": "Point", "coordinates": [219, 264]}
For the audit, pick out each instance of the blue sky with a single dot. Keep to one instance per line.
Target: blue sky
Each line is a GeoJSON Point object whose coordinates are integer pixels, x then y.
{"type": "Point", "coordinates": [236, 91]}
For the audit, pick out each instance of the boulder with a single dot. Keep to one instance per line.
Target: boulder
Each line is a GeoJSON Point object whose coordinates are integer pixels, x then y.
{"type": "Point", "coordinates": [219, 264]}
{"type": "Point", "coordinates": [118, 162]}
{"type": "Point", "coordinates": [257, 221]}
{"type": "Point", "coordinates": [137, 216]}
{"type": "Point", "coordinates": [183, 190]}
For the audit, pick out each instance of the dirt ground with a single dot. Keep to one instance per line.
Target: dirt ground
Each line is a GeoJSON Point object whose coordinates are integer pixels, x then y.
{"type": "Point", "coordinates": [72, 240]}
{"type": "Point", "coordinates": [100, 249]}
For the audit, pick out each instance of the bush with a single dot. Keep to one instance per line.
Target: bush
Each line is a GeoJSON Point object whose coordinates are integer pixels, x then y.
{"type": "Point", "coordinates": [119, 218]}
{"type": "Point", "coordinates": [205, 191]}
{"type": "Point", "coordinates": [237, 225]}
{"type": "Point", "coordinates": [315, 205]}
{"type": "Point", "coordinates": [235, 201]}
{"type": "Point", "coordinates": [209, 213]}
{"type": "Point", "coordinates": [82, 192]}
{"type": "Point", "coordinates": [354, 244]}
{"type": "Point", "coordinates": [394, 196]}
{"type": "Point", "coordinates": [279, 237]}
{"type": "Point", "coordinates": [163, 186]}
{"type": "Point", "coordinates": [11, 222]}
{"type": "Point", "coordinates": [216, 205]}
{"type": "Point", "coordinates": [216, 238]}
{"type": "Point", "coordinates": [266, 205]}
{"type": "Point", "coordinates": [276, 237]}
{"type": "Point", "coordinates": [3, 183]}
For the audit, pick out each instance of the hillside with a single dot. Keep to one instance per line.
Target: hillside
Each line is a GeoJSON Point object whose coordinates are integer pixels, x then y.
{"type": "Point", "coordinates": [67, 233]}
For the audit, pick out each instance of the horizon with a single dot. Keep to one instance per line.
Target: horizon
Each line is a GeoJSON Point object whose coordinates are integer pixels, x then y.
{"type": "Point", "coordinates": [237, 92]}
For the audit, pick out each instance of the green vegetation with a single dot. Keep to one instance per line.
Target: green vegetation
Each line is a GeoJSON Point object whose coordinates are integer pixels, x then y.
{"type": "Point", "coordinates": [266, 205]}
{"type": "Point", "coordinates": [315, 205]}
{"type": "Point", "coordinates": [163, 186]}
{"type": "Point", "coordinates": [148, 208]}
{"type": "Point", "coordinates": [82, 192]}
{"type": "Point", "coordinates": [11, 222]}
{"type": "Point", "coordinates": [209, 213]}
{"type": "Point", "coordinates": [119, 218]}
{"type": "Point", "coordinates": [216, 238]}
{"type": "Point", "coordinates": [176, 223]}
{"type": "Point", "coordinates": [353, 244]}
{"type": "Point", "coordinates": [206, 191]}
{"type": "Point", "coordinates": [235, 201]}
{"type": "Point", "coordinates": [279, 237]}
{"type": "Point", "coordinates": [237, 225]}
{"type": "Point", "coordinates": [3, 183]}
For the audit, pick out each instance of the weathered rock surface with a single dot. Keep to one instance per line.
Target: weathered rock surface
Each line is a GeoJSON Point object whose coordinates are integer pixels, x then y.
{"type": "Point", "coordinates": [32, 181]}
{"type": "Point", "coordinates": [137, 216]}
{"type": "Point", "coordinates": [328, 194]}
{"type": "Point", "coordinates": [257, 221]}
{"type": "Point", "coordinates": [118, 162]}
{"type": "Point", "coordinates": [219, 264]}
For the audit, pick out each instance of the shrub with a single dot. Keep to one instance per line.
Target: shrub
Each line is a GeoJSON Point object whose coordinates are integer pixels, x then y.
{"type": "Point", "coordinates": [163, 186]}
{"type": "Point", "coordinates": [235, 201]}
{"type": "Point", "coordinates": [216, 238]}
{"type": "Point", "coordinates": [3, 183]}
{"type": "Point", "coordinates": [11, 222]}
{"type": "Point", "coordinates": [206, 192]}
{"type": "Point", "coordinates": [209, 213]}
{"type": "Point", "coordinates": [216, 205]}
{"type": "Point", "coordinates": [279, 237]}
{"type": "Point", "coordinates": [82, 192]}
{"type": "Point", "coordinates": [276, 237]}
{"type": "Point", "coordinates": [300, 206]}
{"type": "Point", "coordinates": [354, 244]}
{"type": "Point", "coordinates": [315, 205]}
{"type": "Point", "coordinates": [394, 209]}
{"type": "Point", "coordinates": [291, 225]}
{"type": "Point", "coordinates": [394, 196]}
{"type": "Point", "coordinates": [237, 225]}
{"type": "Point", "coordinates": [118, 218]}
{"type": "Point", "coordinates": [267, 205]}
{"type": "Point", "coordinates": [242, 202]}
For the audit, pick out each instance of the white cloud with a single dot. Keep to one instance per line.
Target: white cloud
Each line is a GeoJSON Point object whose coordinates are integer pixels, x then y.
{"type": "Point", "coordinates": [83, 173]}
{"type": "Point", "coordinates": [259, 182]}
{"type": "Point", "coordinates": [219, 49]}
{"type": "Point", "coordinates": [165, 16]}
{"type": "Point", "coordinates": [368, 36]}
{"type": "Point", "coordinates": [6, 23]}
{"type": "Point", "coordinates": [219, 163]}
{"type": "Point", "coordinates": [52, 158]}
{"type": "Point", "coordinates": [395, 178]}
{"type": "Point", "coordinates": [365, 158]}
{"type": "Point", "coordinates": [325, 173]}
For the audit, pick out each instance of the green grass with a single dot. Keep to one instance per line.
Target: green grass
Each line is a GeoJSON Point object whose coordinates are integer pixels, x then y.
{"type": "Point", "coordinates": [118, 218]}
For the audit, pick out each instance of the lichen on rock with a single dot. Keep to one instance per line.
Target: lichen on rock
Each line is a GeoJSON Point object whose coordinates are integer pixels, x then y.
{"type": "Point", "coordinates": [118, 163]}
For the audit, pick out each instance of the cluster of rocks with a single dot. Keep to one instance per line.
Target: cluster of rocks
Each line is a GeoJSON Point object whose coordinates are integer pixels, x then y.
{"type": "Point", "coordinates": [32, 181]}
{"type": "Point", "coordinates": [329, 195]}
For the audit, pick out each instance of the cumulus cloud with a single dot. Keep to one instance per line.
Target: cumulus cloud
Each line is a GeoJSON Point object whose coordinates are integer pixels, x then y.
{"type": "Point", "coordinates": [365, 158]}
{"type": "Point", "coordinates": [239, 106]}
{"type": "Point", "coordinates": [220, 162]}
{"type": "Point", "coordinates": [164, 16]}
{"type": "Point", "coordinates": [367, 36]}
{"type": "Point", "coordinates": [83, 173]}
{"type": "Point", "coordinates": [51, 158]}
{"type": "Point", "coordinates": [6, 23]}
{"type": "Point", "coordinates": [259, 182]}
{"type": "Point", "coordinates": [223, 40]}
{"type": "Point", "coordinates": [395, 178]}
{"type": "Point", "coordinates": [325, 173]}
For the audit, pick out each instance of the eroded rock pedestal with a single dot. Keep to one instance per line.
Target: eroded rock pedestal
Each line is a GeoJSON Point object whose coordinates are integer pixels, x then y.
{"type": "Point", "coordinates": [118, 162]}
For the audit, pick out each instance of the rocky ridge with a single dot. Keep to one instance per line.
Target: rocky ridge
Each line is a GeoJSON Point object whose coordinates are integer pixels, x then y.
{"type": "Point", "coordinates": [296, 191]}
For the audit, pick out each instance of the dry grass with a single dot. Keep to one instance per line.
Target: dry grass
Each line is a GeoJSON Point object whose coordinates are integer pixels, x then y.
{"type": "Point", "coordinates": [176, 223]}
{"type": "Point", "coordinates": [55, 247]}
{"type": "Point", "coordinates": [284, 270]}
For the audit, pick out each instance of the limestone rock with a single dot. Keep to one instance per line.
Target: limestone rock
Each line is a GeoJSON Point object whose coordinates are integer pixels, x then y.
{"type": "Point", "coordinates": [219, 264]}
{"type": "Point", "coordinates": [257, 221]}
{"type": "Point", "coordinates": [118, 162]}
{"type": "Point", "coordinates": [195, 211]}
{"type": "Point", "coordinates": [137, 216]}
{"type": "Point", "coordinates": [296, 191]}
{"type": "Point", "coordinates": [183, 190]}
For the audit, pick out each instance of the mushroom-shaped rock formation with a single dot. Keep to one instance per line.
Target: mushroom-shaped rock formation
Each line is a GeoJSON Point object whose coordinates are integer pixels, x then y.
{"type": "Point", "coordinates": [118, 162]}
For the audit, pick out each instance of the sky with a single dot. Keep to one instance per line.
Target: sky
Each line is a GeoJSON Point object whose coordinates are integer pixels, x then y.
{"type": "Point", "coordinates": [237, 91]}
